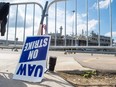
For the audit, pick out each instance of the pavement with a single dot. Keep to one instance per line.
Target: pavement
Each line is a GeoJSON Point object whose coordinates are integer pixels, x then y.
{"type": "Point", "coordinates": [100, 62]}
{"type": "Point", "coordinates": [69, 62]}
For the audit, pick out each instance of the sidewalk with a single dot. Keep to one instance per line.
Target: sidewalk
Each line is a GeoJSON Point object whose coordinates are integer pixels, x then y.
{"type": "Point", "coordinates": [100, 62]}
{"type": "Point", "coordinates": [9, 60]}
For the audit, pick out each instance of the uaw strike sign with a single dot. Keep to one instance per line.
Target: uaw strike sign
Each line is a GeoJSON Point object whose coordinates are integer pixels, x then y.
{"type": "Point", "coordinates": [32, 62]}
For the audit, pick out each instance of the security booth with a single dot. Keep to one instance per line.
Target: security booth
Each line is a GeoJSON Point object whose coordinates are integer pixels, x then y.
{"type": "Point", "coordinates": [4, 11]}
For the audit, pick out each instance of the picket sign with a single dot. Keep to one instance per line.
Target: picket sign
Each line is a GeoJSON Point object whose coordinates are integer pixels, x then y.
{"type": "Point", "coordinates": [32, 63]}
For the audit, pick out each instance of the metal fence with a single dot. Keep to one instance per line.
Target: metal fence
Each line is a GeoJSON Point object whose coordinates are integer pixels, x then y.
{"type": "Point", "coordinates": [15, 23]}
{"type": "Point", "coordinates": [18, 44]}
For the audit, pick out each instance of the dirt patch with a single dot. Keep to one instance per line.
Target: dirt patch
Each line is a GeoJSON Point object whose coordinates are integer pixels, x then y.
{"type": "Point", "coordinates": [89, 78]}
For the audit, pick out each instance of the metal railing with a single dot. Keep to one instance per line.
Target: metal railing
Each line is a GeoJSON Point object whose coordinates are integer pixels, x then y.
{"type": "Point", "coordinates": [55, 46]}
{"type": "Point", "coordinates": [16, 8]}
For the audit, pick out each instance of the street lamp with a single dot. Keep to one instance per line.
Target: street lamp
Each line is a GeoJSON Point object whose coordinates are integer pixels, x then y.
{"type": "Point", "coordinates": [73, 26]}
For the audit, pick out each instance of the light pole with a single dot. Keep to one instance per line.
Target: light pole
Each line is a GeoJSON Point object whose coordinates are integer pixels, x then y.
{"type": "Point", "coordinates": [73, 27]}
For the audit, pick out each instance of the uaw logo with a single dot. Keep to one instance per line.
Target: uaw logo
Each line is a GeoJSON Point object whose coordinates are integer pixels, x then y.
{"type": "Point", "coordinates": [32, 62]}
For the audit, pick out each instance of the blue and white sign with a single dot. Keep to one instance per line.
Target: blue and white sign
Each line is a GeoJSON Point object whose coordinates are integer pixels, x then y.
{"type": "Point", "coordinates": [32, 62]}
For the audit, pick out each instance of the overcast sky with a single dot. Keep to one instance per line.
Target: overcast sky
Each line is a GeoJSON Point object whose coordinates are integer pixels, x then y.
{"type": "Point", "coordinates": [70, 25]}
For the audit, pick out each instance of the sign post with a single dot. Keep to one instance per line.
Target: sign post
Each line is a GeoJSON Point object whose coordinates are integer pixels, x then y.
{"type": "Point", "coordinates": [32, 63]}
{"type": "Point", "coordinates": [42, 20]}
